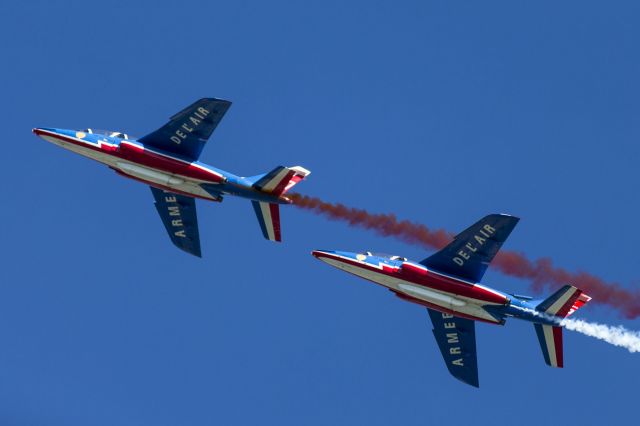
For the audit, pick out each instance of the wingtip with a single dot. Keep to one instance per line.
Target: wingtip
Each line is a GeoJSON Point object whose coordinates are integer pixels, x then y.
{"type": "Point", "coordinates": [301, 170]}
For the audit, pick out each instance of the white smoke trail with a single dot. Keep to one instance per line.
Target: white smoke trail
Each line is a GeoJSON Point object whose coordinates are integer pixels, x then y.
{"type": "Point", "coordinates": [617, 336]}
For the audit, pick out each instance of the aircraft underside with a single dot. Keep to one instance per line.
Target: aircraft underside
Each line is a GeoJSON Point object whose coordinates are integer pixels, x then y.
{"type": "Point", "coordinates": [440, 300]}
{"type": "Point", "coordinates": [447, 284]}
{"type": "Point", "coordinates": [167, 160]}
{"type": "Point", "coordinates": [151, 176]}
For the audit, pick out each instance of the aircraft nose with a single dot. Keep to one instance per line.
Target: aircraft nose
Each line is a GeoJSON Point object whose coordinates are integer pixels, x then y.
{"type": "Point", "coordinates": [40, 130]}
{"type": "Point", "coordinates": [334, 256]}
{"type": "Point", "coordinates": [321, 253]}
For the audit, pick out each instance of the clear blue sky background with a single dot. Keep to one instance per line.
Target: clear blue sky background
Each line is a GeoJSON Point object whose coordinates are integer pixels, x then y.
{"type": "Point", "coordinates": [438, 111]}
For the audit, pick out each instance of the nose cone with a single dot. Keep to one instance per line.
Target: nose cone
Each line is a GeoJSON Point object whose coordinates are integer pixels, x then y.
{"type": "Point", "coordinates": [41, 130]}
{"type": "Point", "coordinates": [59, 137]}
{"type": "Point", "coordinates": [49, 131]}
{"type": "Point", "coordinates": [343, 260]}
{"type": "Point", "coordinates": [320, 254]}
{"type": "Point", "coordinates": [331, 256]}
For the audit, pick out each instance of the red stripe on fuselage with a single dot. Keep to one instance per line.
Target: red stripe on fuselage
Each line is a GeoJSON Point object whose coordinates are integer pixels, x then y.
{"type": "Point", "coordinates": [138, 154]}
{"type": "Point", "coordinates": [452, 285]}
{"type": "Point", "coordinates": [429, 279]}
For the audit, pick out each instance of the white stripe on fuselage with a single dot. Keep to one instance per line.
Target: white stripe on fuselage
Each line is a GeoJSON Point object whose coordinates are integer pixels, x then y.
{"type": "Point", "coordinates": [462, 304]}
{"type": "Point", "coordinates": [177, 182]}
{"type": "Point", "coordinates": [427, 294]}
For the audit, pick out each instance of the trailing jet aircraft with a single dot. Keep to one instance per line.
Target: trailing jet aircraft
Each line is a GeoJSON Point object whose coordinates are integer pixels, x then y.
{"type": "Point", "coordinates": [447, 284]}
{"type": "Point", "coordinates": [167, 161]}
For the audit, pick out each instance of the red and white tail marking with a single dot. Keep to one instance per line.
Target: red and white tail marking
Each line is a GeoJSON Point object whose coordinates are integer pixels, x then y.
{"type": "Point", "coordinates": [282, 179]}
{"type": "Point", "coordinates": [580, 302]}
{"type": "Point", "coordinates": [300, 173]}
{"type": "Point", "coordinates": [553, 340]}
{"type": "Point", "coordinates": [564, 302]}
{"type": "Point", "coordinates": [269, 217]}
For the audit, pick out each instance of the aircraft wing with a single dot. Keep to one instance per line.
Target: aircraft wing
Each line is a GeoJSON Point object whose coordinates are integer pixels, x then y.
{"type": "Point", "coordinates": [178, 214]}
{"type": "Point", "coordinates": [456, 339]}
{"type": "Point", "coordinates": [187, 132]}
{"type": "Point", "coordinates": [470, 253]}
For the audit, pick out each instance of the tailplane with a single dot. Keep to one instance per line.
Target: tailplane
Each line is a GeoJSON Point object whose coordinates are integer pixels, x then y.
{"type": "Point", "coordinates": [561, 304]}
{"type": "Point", "coordinates": [280, 180]}
{"type": "Point", "coordinates": [277, 182]}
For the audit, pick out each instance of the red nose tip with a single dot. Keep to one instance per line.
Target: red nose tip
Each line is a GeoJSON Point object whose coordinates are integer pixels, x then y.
{"type": "Point", "coordinates": [318, 253]}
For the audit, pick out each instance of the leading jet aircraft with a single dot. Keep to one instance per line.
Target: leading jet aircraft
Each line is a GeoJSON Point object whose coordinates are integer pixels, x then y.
{"type": "Point", "coordinates": [167, 161]}
{"type": "Point", "coordinates": [447, 284]}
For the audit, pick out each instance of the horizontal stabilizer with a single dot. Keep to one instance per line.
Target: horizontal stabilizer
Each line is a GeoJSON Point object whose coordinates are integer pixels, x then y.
{"type": "Point", "coordinates": [564, 302]}
{"type": "Point", "coordinates": [281, 179]}
{"type": "Point", "coordinates": [269, 218]}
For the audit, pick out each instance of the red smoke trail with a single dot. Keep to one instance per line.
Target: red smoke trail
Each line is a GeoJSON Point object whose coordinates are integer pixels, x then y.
{"type": "Point", "coordinates": [540, 272]}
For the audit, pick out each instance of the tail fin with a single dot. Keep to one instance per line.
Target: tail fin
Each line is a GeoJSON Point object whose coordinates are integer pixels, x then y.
{"type": "Point", "coordinates": [269, 218]}
{"type": "Point", "coordinates": [281, 179]}
{"type": "Point", "coordinates": [562, 303]}
{"type": "Point", "coordinates": [550, 338]}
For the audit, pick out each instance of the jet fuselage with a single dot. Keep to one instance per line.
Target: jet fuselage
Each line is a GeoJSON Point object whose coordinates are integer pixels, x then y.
{"type": "Point", "coordinates": [416, 283]}
{"type": "Point", "coordinates": [162, 170]}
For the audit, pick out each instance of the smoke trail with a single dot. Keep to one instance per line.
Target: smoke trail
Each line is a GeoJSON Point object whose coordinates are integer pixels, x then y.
{"type": "Point", "coordinates": [617, 336]}
{"type": "Point", "coordinates": [541, 272]}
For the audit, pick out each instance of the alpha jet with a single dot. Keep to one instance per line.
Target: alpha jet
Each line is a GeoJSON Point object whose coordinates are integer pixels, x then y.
{"type": "Point", "coordinates": [448, 285]}
{"type": "Point", "coordinates": [167, 161]}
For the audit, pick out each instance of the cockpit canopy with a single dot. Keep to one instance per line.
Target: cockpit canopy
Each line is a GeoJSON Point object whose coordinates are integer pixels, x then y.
{"type": "Point", "coordinates": [403, 259]}
{"type": "Point", "coordinates": [109, 133]}
{"type": "Point", "coordinates": [386, 256]}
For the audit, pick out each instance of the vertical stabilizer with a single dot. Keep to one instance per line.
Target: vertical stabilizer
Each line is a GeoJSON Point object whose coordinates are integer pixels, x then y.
{"type": "Point", "coordinates": [269, 218]}
{"type": "Point", "coordinates": [561, 304]}
{"type": "Point", "coordinates": [550, 338]}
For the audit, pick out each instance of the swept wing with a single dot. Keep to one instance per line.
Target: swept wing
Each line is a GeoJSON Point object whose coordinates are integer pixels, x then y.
{"type": "Point", "coordinates": [187, 132]}
{"type": "Point", "coordinates": [178, 214]}
{"type": "Point", "coordinates": [470, 253]}
{"type": "Point", "coordinates": [456, 339]}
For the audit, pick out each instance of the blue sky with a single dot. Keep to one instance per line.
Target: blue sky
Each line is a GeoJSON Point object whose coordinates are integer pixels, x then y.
{"type": "Point", "coordinates": [439, 112]}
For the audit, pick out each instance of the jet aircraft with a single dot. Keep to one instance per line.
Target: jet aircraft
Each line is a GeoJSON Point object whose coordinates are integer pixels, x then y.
{"type": "Point", "coordinates": [447, 284]}
{"type": "Point", "coordinates": [167, 161]}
